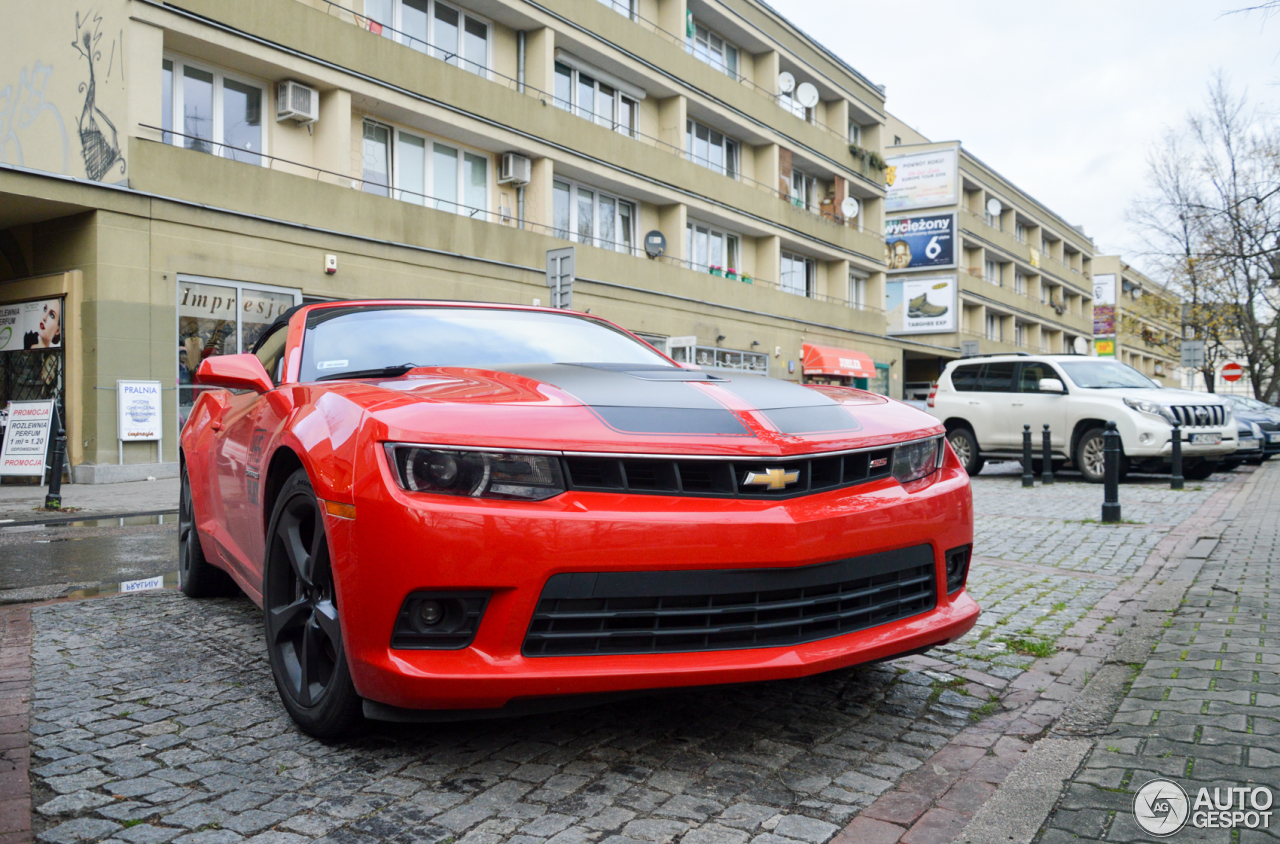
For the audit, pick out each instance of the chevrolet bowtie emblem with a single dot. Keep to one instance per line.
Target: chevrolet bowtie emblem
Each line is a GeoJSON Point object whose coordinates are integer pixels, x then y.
{"type": "Point", "coordinates": [773, 478]}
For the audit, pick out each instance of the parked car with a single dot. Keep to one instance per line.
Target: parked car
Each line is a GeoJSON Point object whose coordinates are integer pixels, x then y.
{"type": "Point", "coordinates": [1249, 445]}
{"type": "Point", "coordinates": [1265, 417]}
{"type": "Point", "coordinates": [985, 401]}
{"type": "Point", "coordinates": [446, 508]}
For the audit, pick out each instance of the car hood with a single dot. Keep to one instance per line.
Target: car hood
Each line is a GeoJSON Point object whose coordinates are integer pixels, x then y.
{"type": "Point", "coordinates": [1162, 395]}
{"type": "Point", "coordinates": [615, 408]}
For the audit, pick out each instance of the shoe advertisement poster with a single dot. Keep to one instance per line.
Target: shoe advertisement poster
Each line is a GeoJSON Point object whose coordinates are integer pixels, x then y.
{"type": "Point", "coordinates": [925, 305]}
{"type": "Point", "coordinates": [926, 242]}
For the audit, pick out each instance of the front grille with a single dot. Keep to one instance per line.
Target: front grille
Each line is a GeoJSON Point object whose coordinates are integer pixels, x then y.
{"type": "Point", "coordinates": [728, 609]}
{"type": "Point", "coordinates": [725, 478]}
{"type": "Point", "coordinates": [1200, 416]}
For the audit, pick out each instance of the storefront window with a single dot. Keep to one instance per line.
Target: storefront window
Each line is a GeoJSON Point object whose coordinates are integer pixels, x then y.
{"type": "Point", "coordinates": [220, 318]}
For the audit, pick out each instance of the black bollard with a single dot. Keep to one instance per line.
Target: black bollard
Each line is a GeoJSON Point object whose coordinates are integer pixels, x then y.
{"type": "Point", "coordinates": [1111, 475]}
{"type": "Point", "coordinates": [1028, 475]}
{"type": "Point", "coordinates": [53, 498]}
{"type": "Point", "coordinates": [1046, 472]}
{"type": "Point", "coordinates": [1177, 481]}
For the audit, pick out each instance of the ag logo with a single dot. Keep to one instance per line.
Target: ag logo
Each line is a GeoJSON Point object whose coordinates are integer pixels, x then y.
{"type": "Point", "coordinates": [1161, 807]}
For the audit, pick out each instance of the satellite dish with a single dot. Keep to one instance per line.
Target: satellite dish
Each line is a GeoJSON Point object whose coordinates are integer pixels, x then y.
{"type": "Point", "coordinates": [1081, 346]}
{"type": "Point", "coordinates": [786, 82]}
{"type": "Point", "coordinates": [849, 208]}
{"type": "Point", "coordinates": [994, 207]}
{"type": "Point", "coordinates": [807, 95]}
{"type": "Point", "coordinates": [655, 243]}
{"type": "Point", "coordinates": [1137, 292]}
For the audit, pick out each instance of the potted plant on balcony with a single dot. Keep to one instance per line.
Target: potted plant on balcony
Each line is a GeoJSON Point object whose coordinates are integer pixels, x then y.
{"type": "Point", "coordinates": [716, 269]}
{"type": "Point", "coordinates": [746, 279]}
{"type": "Point", "coordinates": [731, 273]}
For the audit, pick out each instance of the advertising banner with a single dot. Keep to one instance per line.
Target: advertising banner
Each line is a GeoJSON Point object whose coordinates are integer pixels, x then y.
{"type": "Point", "coordinates": [1105, 348]}
{"type": "Point", "coordinates": [31, 325]}
{"type": "Point", "coordinates": [1104, 320]}
{"type": "Point", "coordinates": [138, 410]}
{"type": "Point", "coordinates": [26, 438]}
{"type": "Point", "coordinates": [1104, 290]}
{"type": "Point", "coordinates": [923, 242]}
{"type": "Point", "coordinates": [925, 305]}
{"type": "Point", "coordinates": [922, 180]}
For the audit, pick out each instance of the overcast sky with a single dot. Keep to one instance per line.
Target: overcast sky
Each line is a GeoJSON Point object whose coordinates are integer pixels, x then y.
{"type": "Point", "coordinates": [1062, 99]}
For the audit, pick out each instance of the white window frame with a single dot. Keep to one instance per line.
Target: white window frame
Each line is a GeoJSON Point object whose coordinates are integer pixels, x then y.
{"type": "Point", "coordinates": [626, 8]}
{"type": "Point", "coordinates": [1019, 282]}
{"type": "Point", "coordinates": [220, 148]}
{"type": "Point", "coordinates": [857, 290]}
{"type": "Point", "coordinates": [804, 189]}
{"type": "Point", "coordinates": [395, 31]}
{"type": "Point", "coordinates": [704, 36]}
{"type": "Point", "coordinates": [855, 133]}
{"type": "Point", "coordinates": [693, 227]}
{"type": "Point", "coordinates": [992, 272]}
{"type": "Point", "coordinates": [1020, 232]}
{"type": "Point", "coordinates": [731, 149]}
{"type": "Point", "coordinates": [995, 327]}
{"type": "Point", "coordinates": [431, 199]}
{"type": "Point", "coordinates": [619, 98]}
{"type": "Point", "coordinates": [595, 240]}
{"type": "Point", "coordinates": [391, 159]}
{"type": "Point", "coordinates": [791, 104]}
{"type": "Point", "coordinates": [810, 272]}
{"type": "Point", "coordinates": [1019, 333]}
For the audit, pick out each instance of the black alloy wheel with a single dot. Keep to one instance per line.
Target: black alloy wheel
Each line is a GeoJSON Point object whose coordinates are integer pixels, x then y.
{"type": "Point", "coordinates": [197, 577]}
{"type": "Point", "coordinates": [304, 636]}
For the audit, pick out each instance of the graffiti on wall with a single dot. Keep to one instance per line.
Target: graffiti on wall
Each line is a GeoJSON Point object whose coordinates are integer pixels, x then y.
{"type": "Point", "coordinates": [99, 141]}
{"type": "Point", "coordinates": [25, 112]}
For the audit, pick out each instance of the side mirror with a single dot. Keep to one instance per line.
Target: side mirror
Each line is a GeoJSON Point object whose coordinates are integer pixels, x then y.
{"type": "Point", "coordinates": [234, 372]}
{"type": "Point", "coordinates": [1052, 385]}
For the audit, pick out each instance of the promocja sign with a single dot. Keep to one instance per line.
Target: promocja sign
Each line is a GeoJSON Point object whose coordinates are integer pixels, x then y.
{"type": "Point", "coordinates": [26, 438]}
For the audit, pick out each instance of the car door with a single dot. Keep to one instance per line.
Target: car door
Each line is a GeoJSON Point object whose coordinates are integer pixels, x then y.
{"type": "Point", "coordinates": [990, 404]}
{"type": "Point", "coordinates": [1037, 409]}
{"type": "Point", "coordinates": [966, 397]}
{"type": "Point", "coordinates": [247, 436]}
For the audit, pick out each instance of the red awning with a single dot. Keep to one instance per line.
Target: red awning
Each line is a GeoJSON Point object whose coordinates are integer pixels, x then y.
{"type": "Point", "coordinates": [828, 360]}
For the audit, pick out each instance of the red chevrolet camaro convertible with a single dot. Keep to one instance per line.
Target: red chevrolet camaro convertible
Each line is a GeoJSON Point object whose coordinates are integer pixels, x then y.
{"type": "Point", "coordinates": [454, 509]}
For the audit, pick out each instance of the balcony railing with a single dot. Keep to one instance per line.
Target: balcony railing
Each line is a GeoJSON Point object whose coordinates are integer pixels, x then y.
{"type": "Point", "coordinates": [503, 217]}
{"type": "Point", "coordinates": [368, 23]}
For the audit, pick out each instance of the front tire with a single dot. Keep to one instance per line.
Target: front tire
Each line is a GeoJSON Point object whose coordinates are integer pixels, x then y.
{"type": "Point", "coordinates": [1090, 457]}
{"type": "Point", "coordinates": [965, 445]}
{"type": "Point", "coordinates": [197, 577]}
{"type": "Point", "coordinates": [300, 614]}
{"type": "Point", "coordinates": [1199, 470]}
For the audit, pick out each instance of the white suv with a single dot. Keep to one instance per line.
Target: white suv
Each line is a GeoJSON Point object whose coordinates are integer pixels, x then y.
{"type": "Point", "coordinates": [985, 400]}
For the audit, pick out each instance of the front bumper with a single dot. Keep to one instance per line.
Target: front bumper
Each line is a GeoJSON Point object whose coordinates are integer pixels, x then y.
{"type": "Point", "coordinates": [401, 542]}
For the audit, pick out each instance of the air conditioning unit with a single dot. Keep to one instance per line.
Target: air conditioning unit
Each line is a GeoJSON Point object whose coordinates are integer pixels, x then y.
{"type": "Point", "coordinates": [295, 101]}
{"type": "Point", "coordinates": [516, 170]}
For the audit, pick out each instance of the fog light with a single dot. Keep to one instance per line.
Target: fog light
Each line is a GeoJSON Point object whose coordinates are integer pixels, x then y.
{"type": "Point", "coordinates": [1145, 439]}
{"type": "Point", "coordinates": [430, 613]}
{"type": "Point", "coordinates": [957, 562]}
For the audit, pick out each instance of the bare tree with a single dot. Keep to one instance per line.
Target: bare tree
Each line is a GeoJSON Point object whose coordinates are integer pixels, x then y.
{"type": "Point", "coordinates": [1212, 219]}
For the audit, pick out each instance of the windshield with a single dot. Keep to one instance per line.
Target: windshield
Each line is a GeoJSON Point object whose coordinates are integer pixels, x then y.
{"type": "Point", "coordinates": [1251, 404]}
{"type": "Point", "coordinates": [344, 342]}
{"type": "Point", "coordinates": [1105, 375]}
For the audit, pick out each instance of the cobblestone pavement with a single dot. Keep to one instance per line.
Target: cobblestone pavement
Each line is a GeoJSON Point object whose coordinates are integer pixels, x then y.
{"type": "Point", "coordinates": [154, 718]}
{"type": "Point", "coordinates": [1205, 708]}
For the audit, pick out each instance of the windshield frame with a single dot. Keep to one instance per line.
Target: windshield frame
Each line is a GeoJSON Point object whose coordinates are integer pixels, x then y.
{"type": "Point", "coordinates": [1064, 366]}
{"type": "Point", "coordinates": [334, 310]}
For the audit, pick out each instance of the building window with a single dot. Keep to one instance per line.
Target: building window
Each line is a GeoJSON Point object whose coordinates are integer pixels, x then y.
{"type": "Point", "coordinates": [1046, 294]}
{"type": "Point", "coordinates": [218, 113]}
{"type": "Point", "coordinates": [995, 328]}
{"type": "Point", "coordinates": [375, 164]}
{"type": "Point", "coordinates": [798, 274]}
{"type": "Point", "coordinates": [1020, 232]}
{"type": "Point", "coordinates": [897, 141]}
{"type": "Point", "coordinates": [992, 220]}
{"type": "Point", "coordinates": [1020, 333]}
{"type": "Point", "coordinates": [1019, 283]}
{"type": "Point", "coordinates": [711, 48]}
{"type": "Point", "coordinates": [1046, 247]}
{"type": "Point", "coordinates": [428, 26]}
{"type": "Point", "coordinates": [804, 190]}
{"type": "Point", "coordinates": [589, 216]}
{"type": "Point", "coordinates": [791, 104]}
{"type": "Point", "coordinates": [625, 7]}
{"type": "Point", "coordinates": [588, 97]}
{"type": "Point", "coordinates": [993, 273]}
{"type": "Point", "coordinates": [855, 133]}
{"type": "Point", "coordinates": [857, 291]}
{"type": "Point", "coordinates": [710, 248]}
{"type": "Point", "coordinates": [711, 149]}
{"type": "Point", "coordinates": [444, 175]}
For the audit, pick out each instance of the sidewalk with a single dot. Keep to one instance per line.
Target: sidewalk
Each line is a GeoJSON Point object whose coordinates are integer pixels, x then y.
{"type": "Point", "coordinates": [1204, 710]}
{"type": "Point", "coordinates": [21, 503]}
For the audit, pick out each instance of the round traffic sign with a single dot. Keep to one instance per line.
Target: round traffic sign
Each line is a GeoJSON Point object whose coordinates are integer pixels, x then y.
{"type": "Point", "coordinates": [1232, 372]}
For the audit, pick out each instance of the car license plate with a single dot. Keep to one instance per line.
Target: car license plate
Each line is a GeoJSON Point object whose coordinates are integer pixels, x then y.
{"type": "Point", "coordinates": [1206, 439]}
{"type": "Point", "coordinates": [1247, 444]}
{"type": "Point", "coordinates": [1275, 438]}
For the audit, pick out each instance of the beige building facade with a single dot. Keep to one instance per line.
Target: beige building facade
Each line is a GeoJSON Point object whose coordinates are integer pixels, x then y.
{"type": "Point", "coordinates": [976, 264]}
{"type": "Point", "coordinates": [1137, 320]}
{"type": "Point", "coordinates": [174, 175]}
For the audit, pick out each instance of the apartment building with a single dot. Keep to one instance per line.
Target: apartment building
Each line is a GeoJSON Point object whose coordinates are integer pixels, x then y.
{"type": "Point", "coordinates": [1136, 320]}
{"type": "Point", "coordinates": [976, 265]}
{"type": "Point", "coordinates": [175, 174]}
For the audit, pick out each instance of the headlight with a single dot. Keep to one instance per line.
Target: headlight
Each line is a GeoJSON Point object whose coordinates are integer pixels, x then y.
{"type": "Point", "coordinates": [917, 460]}
{"type": "Point", "coordinates": [477, 474]}
{"type": "Point", "coordinates": [1257, 429]}
{"type": "Point", "coordinates": [1154, 408]}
